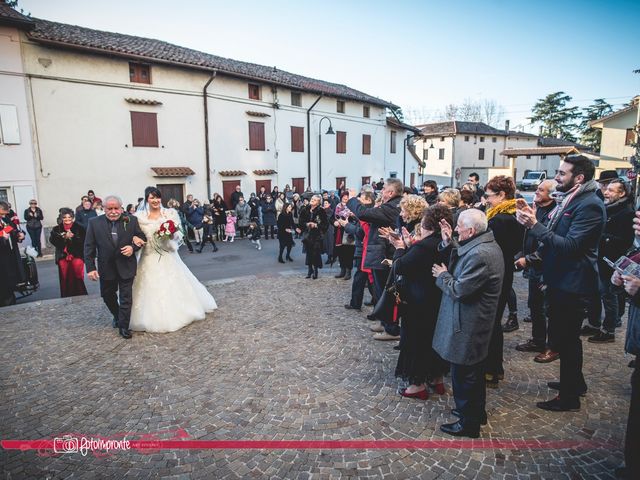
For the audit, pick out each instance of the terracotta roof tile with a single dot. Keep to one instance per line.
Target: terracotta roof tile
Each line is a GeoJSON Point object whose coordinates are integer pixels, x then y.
{"type": "Point", "coordinates": [9, 16]}
{"type": "Point", "coordinates": [141, 101]}
{"type": "Point", "coordinates": [231, 173]}
{"type": "Point", "coordinates": [172, 171]}
{"type": "Point", "coordinates": [519, 152]}
{"type": "Point", "coordinates": [130, 46]}
{"type": "Point", "coordinates": [264, 172]}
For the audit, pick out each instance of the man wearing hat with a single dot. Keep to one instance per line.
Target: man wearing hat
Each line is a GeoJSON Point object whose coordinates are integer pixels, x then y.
{"type": "Point", "coordinates": [605, 177]}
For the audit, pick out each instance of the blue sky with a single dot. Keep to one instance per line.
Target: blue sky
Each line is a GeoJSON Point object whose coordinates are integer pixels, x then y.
{"type": "Point", "coordinates": [420, 55]}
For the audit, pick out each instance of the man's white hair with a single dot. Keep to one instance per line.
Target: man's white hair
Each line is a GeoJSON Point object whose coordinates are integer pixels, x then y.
{"type": "Point", "coordinates": [473, 218]}
{"type": "Point", "coordinates": [550, 185]}
{"type": "Point", "coordinates": [108, 198]}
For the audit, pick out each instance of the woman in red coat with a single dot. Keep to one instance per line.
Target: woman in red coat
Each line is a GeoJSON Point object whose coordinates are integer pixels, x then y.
{"type": "Point", "coordinates": [68, 238]}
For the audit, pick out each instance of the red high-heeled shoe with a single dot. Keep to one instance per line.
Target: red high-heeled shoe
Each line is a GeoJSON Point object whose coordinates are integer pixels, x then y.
{"type": "Point", "coordinates": [420, 395]}
{"type": "Point", "coordinates": [439, 388]}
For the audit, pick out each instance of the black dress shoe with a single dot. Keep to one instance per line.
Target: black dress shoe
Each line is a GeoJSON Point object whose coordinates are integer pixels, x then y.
{"type": "Point", "coordinates": [456, 413]}
{"type": "Point", "coordinates": [114, 323]}
{"type": "Point", "coordinates": [556, 386]}
{"type": "Point", "coordinates": [349, 307]}
{"type": "Point", "coordinates": [458, 430]}
{"type": "Point", "coordinates": [289, 259]}
{"type": "Point", "coordinates": [371, 317]}
{"type": "Point", "coordinates": [557, 405]}
{"type": "Point", "coordinates": [511, 324]}
{"type": "Point", "coordinates": [125, 333]}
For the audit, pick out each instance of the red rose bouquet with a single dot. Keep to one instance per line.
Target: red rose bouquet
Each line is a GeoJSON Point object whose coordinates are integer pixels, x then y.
{"type": "Point", "coordinates": [166, 230]}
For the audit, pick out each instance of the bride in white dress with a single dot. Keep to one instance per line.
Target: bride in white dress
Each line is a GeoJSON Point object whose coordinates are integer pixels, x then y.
{"type": "Point", "coordinates": [166, 295]}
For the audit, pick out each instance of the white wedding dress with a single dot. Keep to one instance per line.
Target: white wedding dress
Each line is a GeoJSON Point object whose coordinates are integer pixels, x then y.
{"type": "Point", "coordinates": [166, 295]}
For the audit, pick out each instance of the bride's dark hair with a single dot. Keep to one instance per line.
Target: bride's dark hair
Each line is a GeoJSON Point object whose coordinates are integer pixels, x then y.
{"type": "Point", "coordinates": [151, 191]}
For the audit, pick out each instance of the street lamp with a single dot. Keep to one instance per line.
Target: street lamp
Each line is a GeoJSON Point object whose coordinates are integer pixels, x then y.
{"type": "Point", "coordinates": [329, 132]}
{"type": "Point", "coordinates": [404, 155]}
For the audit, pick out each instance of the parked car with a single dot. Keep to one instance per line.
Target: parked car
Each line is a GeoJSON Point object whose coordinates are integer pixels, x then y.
{"type": "Point", "coordinates": [531, 180]}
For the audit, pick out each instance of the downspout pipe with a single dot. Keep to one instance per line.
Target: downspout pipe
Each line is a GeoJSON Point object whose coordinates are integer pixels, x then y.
{"type": "Point", "coordinates": [309, 140]}
{"type": "Point", "coordinates": [214, 73]}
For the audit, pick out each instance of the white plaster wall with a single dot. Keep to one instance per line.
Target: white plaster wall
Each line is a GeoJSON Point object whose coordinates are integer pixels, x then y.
{"type": "Point", "coordinates": [17, 171]}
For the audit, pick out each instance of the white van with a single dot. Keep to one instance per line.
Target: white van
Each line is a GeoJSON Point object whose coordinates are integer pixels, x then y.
{"type": "Point", "coordinates": [532, 179]}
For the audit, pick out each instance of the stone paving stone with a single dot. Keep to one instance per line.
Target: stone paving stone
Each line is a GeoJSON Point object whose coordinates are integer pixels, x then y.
{"type": "Point", "coordinates": [281, 359]}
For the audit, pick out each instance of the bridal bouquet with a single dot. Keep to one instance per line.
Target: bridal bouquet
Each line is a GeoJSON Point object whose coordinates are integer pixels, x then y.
{"type": "Point", "coordinates": [166, 230]}
{"type": "Point", "coordinates": [163, 235]}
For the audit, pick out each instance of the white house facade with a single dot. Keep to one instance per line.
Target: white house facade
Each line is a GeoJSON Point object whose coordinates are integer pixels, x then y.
{"type": "Point", "coordinates": [619, 133]}
{"type": "Point", "coordinates": [18, 169]}
{"type": "Point", "coordinates": [116, 113]}
{"type": "Point", "coordinates": [454, 149]}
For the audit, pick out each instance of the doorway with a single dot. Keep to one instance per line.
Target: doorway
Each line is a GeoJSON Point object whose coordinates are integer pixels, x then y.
{"type": "Point", "coordinates": [298, 184]}
{"type": "Point", "coordinates": [171, 190]}
{"type": "Point", "coordinates": [263, 183]}
{"type": "Point", "coordinates": [228, 187]}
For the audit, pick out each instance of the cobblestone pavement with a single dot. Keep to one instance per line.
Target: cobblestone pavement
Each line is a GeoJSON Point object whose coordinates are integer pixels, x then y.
{"type": "Point", "coordinates": [281, 359]}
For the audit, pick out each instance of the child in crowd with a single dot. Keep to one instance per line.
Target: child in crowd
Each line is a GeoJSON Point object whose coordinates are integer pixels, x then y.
{"type": "Point", "coordinates": [254, 234]}
{"type": "Point", "coordinates": [230, 230]}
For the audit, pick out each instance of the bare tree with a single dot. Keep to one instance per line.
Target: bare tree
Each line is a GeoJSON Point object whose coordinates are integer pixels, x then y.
{"type": "Point", "coordinates": [492, 113]}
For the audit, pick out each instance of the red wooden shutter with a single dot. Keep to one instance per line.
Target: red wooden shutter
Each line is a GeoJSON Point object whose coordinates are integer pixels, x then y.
{"type": "Point", "coordinates": [297, 139]}
{"type": "Point", "coordinates": [341, 142]}
{"type": "Point", "coordinates": [366, 144]}
{"type": "Point", "coordinates": [256, 136]}
{"type": "Point", "coordinates": [144, 129]}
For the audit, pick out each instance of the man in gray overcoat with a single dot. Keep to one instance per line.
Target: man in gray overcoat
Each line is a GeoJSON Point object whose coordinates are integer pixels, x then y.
{"type": "Point", "coordinates": [471, 287]}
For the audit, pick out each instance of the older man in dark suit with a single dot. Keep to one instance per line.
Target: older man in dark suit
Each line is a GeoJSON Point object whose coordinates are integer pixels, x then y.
{"type": "Point", "coordinates": [471, 289]}
{"type": "Point", "coordinates": [111, 237]}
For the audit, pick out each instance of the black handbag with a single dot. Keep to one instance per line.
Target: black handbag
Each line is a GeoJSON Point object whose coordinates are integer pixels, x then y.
{"type": "Point", "coordinates": [391, 297]}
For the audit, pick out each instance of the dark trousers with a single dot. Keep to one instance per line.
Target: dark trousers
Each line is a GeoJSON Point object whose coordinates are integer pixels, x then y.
{"type": "Point", "coordinates": [609, 298]}
{"type": "Point", "coordinates": [243, 231]}
{"type": "Point", "coordinates": [345, 256]}
{"type": "Point", "coordinates": [469, 393]}
{"type": "Point", "coordinates": [282, 249]}
{"type": "Point", "coordinates": [632, 437]}
{"type": "Point", "coordinates": [34, 235]}
{"type": "Point", "coordinates": [266, 229]}
{"type": "Point", "coordinates": [379, 280]}
{"type": "Point", "coordinates": [566, 312]}
{"type": "Point", "coordinates": [120, 288]}
{"type": "Point", "coordinates": [359, 283]}
{"type": "Point", "coordinates": [538, 316]}
{"type": "Point", "coordinates": [512, 302]}
{"type": "Point", "coordinates": [495, 360]}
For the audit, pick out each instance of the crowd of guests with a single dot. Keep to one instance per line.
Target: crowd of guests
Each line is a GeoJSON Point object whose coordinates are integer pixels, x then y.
{"type": "Point", "coordinates": [439, 268]}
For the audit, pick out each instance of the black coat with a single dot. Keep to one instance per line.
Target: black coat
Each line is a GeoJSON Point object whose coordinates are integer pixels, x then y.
{"type": "Point", "coordinates": [254, 203]}
{"type": "Point", "coordinates": [74, 245]}
{"type": "Point", "coordinates": [570, 248]}
{"type": "Point", "coordinates": [509, 235]}
{"type": "Point", "coordinates": [10, 271]}
{"type": "Point", "coordinates": [269, 213]}
{"type": "Point", "coordinates": [386, 215]}
{"type": "Point", "coordinates": [617, 237]}
{"type": "Point", "coordinates": [530, 245]}
{"type": "Point", "coordinates": [235, 198]}
{"type": "Point", "coordinates": [111, 263]}
{"type": "Point", "coordinates": [418, 362]}
{"type": "Point", "coordinates": [83, 216]}
{"type": "Point", "coordinates": [285, 220]}
{"type": "Point", "coordinates": [313, 238]}
{"type": "Point", "coordinates": [33, 219]}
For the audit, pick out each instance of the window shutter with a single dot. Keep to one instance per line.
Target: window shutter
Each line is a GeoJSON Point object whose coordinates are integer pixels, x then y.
{"type": "Point", "coordinates": [9, 128]}
{"type": "Point", "coordinates": [297, 139]}
{"type": "Point", "coordinates": [366, 144]}
{"type": "Point", "coordinates": [393, 142]}
{"type": "Point", "coordinates": [341, 142]}
{"type": "Point", "coordinates": [144, 129]}
{"type": "Point", "coordinates": [256, 136]}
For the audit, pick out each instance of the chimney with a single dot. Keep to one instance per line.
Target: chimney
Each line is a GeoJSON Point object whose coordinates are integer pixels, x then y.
{"type": "Point", "coordinates": [506, 126]}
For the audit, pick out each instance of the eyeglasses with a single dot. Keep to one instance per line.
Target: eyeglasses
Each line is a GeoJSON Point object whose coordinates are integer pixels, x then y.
{"type": "Point", "coordinates": [33, 203]}
{"type": "Point", "coordinates": [487, 195]}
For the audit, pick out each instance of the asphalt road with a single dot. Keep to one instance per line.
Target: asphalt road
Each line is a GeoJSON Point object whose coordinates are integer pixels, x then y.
{"type": "Point", "coordinates": [236, 259]}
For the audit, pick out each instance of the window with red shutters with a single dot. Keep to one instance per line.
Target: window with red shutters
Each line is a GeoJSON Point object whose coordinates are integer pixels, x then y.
{"type": "Point", "coordinates": [341, 142]}
{"type": "Point", "coordinates": [630, 137]}
{"type": "Point", "coordinates": [366, 144]}
{"type": "Point", "coordinates": [254, 91]}
{"type": "Point", "coordinates": [144, 129]}
{"type": "Point", "coordinates": [139, 73]}
{"type": "Point", "coordinates": [297, 139]}
{"type": "Point", "coordinates": [256, 136]}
